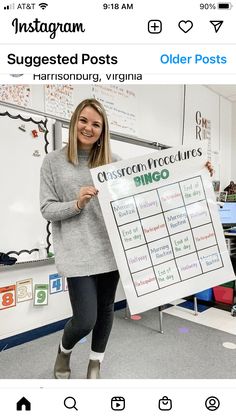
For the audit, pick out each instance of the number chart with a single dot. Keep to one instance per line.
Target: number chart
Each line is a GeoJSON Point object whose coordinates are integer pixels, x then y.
{"type": "Point", "coordinates": [7, 297]}
{"type": "Point", "coordinates": [24, 290]}
{"type": "Point", "coordinates": [56, 283]}
{"type": "Point", "coordinates": [40, 294]}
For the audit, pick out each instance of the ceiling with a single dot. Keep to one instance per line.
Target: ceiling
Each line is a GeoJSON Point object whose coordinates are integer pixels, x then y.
{"type": "Point", "coordinates": [228, 91]}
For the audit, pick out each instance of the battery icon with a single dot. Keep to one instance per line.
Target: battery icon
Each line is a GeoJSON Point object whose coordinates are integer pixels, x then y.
{"type": "Point", "coordinates": [225, 6]}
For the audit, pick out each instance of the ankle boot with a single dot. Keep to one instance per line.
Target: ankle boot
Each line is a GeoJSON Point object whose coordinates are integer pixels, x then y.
{"type": "Point", "coordinates": [93, 369]}
{"type": "Point", "coordinates": [62, 365]}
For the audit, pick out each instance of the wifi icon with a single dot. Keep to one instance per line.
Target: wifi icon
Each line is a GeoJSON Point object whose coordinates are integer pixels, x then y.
{"type": "Point", "coordinates": [43, 5]}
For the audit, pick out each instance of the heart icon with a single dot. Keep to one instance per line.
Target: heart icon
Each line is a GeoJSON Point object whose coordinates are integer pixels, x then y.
{"type": "Point", "coordinates": [185, 25]}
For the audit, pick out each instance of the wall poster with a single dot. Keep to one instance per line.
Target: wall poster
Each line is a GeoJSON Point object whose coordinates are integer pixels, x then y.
{"type": "Point", "coordinates": [19, 94]}
{"type": "Point", "coordinates": [59, 100]}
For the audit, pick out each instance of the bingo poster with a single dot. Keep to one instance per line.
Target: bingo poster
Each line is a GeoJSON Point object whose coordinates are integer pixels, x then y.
{"type": "Point", "coordinates": [162, 219]}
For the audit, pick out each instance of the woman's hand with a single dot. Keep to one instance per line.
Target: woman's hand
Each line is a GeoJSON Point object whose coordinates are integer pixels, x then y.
{"type": "Point", "coordinates": [209, 167]}
{"type": "Point", "coordinates": [85, 194]}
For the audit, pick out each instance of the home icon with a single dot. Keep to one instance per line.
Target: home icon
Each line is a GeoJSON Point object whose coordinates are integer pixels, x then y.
{"type": "Point", "coordinates": [23, 404]}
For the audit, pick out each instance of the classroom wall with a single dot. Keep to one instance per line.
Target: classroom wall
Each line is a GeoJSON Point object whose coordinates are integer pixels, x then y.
{"type": "Point", "coordinates": [160, 113]}
{"type": "Point", "coordinates": [233, 144]}
{"type": "Point", "coordinates": [25, 316]}
{"type": "Point", "coordinates": [159, 109]}
{"type": "Point", "coordinates": [227, 143]}
{"type": "Point", "coordinates": [206, 102]}
{"type": "Point", "coordinates": [159, 118]}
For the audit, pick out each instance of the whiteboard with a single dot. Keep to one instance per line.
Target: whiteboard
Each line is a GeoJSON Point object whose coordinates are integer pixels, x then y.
{"type": "Point", "coordinates": [23, 145]}
{"type": "Point", "coordinates": [126, 150]}
{"type": "Point", "coordinates": [123, 149]}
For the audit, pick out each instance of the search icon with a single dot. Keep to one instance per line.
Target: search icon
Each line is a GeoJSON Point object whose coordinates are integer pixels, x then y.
{"type": "Point", "coordinates": [70, 403]}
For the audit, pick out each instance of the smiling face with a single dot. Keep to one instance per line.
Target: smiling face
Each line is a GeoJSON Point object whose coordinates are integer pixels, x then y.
{"type": "Point", "coordinates": [89, 128]}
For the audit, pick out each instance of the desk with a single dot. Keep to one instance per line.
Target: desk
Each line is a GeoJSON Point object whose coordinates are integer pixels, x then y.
{"type": "Point", "coordinates": [230, 239]}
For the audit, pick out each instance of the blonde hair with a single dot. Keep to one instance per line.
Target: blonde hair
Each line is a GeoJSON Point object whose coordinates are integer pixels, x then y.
{"type": "Point", "coordinates": [99, 154]}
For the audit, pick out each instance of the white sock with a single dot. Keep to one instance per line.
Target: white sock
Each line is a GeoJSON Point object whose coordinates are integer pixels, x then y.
{"type": "Point", "coordinates": [66, 351]}
{"type": "Point", "coordinates": [96, 356]}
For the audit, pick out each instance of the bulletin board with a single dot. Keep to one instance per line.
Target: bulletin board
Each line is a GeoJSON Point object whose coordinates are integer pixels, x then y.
{"type": "Point", "coordinates": [25, 139]}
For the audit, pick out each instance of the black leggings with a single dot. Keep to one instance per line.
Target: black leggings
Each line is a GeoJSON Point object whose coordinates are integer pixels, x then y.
{"type": "Point", "coordinates": [92, 300]}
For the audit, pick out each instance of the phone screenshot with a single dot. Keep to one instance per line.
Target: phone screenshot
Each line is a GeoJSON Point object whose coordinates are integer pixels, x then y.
{"type": "Point", "coordinates": [118, 209]}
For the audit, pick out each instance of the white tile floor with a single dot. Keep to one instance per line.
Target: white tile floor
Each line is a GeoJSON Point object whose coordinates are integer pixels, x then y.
{"type": "Point", "coordinates": [212, 317]}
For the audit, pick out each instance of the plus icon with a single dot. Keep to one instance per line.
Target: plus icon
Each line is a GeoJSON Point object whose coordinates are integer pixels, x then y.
{"type": "Point", "coordinates": [154, 26]}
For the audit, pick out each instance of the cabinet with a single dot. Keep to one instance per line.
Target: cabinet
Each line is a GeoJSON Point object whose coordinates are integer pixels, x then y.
{"type": "Point", "coordinates": [222, 296]}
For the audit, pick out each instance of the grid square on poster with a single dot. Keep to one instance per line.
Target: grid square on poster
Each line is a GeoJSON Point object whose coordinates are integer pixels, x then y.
{"type": "Point", "coordinates": [167, 235]}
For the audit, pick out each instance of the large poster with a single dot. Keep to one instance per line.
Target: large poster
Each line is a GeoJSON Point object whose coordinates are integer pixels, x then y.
{"type": "Point", "coordinates": [19, 94]}
{"type": "Point", "coordinates": [163, 223]}
{"type": "Point", "coordinates": [59, 100]}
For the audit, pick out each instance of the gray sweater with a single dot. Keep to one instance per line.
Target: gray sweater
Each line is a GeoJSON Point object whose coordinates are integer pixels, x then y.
{"type": "Point", "coordinates": [81, 243]}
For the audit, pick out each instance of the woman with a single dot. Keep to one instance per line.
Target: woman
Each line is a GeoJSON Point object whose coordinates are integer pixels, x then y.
{"type": "Point", "coordinates": [82, 248]}
{"type": "Point", "coordinates": [81, 243]}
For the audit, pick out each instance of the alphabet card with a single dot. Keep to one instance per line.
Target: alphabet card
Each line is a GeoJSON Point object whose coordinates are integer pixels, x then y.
{"type": "Point", "coordinates": [163, 223]}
